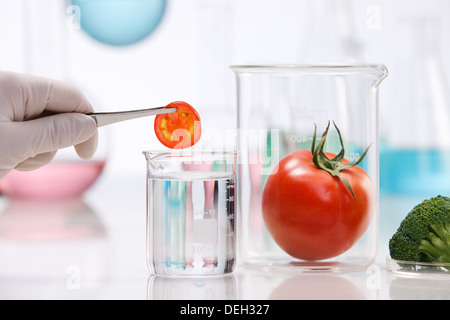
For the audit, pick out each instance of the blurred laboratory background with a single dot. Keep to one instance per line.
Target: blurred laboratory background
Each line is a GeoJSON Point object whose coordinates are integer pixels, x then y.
{"type": "Point", "coordinates": [134, 54]}
{"type": "Point", "coordinates": [130, 54]}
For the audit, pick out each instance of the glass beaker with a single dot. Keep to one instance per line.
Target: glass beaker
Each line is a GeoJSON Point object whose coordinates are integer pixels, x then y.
{"type": "Point", "coordinates": [191, 207]}
{"type": "Point", "coordinates": [278, 109]}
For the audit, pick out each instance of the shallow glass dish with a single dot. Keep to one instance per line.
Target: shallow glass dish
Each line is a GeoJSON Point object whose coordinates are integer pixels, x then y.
{"type": "Point", "coordinates": [417, 268]}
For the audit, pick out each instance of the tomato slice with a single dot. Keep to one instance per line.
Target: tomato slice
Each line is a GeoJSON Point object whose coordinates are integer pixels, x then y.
{"type": "Point", "coordinates": [180, 129]}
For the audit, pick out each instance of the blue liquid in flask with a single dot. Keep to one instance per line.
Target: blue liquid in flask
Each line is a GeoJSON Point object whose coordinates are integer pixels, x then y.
{"type": "Point", "coordinates": [120, 22]}
{"type": "Point", "coordinates": [414, 172]}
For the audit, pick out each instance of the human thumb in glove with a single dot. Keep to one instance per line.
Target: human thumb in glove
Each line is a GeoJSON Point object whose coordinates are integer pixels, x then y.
{"type": "Point", "coordinates": [38, 116]}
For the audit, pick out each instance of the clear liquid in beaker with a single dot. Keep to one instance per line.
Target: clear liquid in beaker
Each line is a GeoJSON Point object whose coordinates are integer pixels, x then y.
{"type": "Point", "coordinates": [191, 221]}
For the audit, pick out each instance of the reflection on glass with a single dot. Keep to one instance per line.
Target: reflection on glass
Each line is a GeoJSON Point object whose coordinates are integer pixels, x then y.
{"type": "Point", "coordinates": [192, 288]}
{"type": "Point", "coordinates": [317, 287]}
{"type": "Point", "coordinates": [54, 250]}
{"type": "Point", "coordinates": [363, 285]}
{"type": "Point", "coordinates": [408, 288]}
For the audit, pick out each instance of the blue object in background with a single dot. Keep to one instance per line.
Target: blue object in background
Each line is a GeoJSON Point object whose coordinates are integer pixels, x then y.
{"type": "Point", "coordinates": [120, 22]}
{"type": "Point", "coordinates": [414, 172]}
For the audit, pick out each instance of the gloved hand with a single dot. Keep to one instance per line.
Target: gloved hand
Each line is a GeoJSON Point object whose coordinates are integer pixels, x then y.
{"type": "Point", "coordinates": [29, 136]}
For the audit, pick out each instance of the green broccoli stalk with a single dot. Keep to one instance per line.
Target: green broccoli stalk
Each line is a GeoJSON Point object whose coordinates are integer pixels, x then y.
{"type": "Point", "coordinates": [437, 244]}
{"type": "Point", "coordinates": [413, 240]}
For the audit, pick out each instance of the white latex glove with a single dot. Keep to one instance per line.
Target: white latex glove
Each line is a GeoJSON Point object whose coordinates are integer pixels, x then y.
{"type": "Point", "coordinates": [28, 138]}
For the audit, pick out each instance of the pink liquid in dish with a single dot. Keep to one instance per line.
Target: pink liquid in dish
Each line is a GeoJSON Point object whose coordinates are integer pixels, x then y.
{"type": "Point", "coordinates": [54, 180]}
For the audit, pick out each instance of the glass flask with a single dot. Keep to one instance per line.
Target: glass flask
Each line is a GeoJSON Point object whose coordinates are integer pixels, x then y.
{"type": "Point", "coordinates": [119, 22]}
{"type": "Point", "coordinates": [330, 33]}
{"type": "Point", "coordinates": [415, 134]}
{"type": "Point", "coordinates": [279, 108]}
{"type": "Point", "coordinates": [191, 207]}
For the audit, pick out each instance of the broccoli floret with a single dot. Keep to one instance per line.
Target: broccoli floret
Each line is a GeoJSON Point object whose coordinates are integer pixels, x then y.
{"type": "Point", "coordinates": [424, 234]}
{"type": "Point", "coordinates": [437, 244]}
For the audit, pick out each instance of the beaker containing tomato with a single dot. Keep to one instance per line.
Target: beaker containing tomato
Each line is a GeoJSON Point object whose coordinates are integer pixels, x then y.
{"type": "Point", "coordinates": [309, 168]}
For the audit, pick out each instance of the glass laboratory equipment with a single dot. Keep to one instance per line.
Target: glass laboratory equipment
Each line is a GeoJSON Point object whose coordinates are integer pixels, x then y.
{"type": "Point", "coordinates": [278, 109]}
{"type": "Point", "coordinates": [191, 208]}
{"type": "Point", "coordinates": [330, 33]}
{"type": "Point", "coordinates": [119, 22]}
{"type": "Point", "coordinates": [415, 137]}
{"type": "Point", "coordinates": [64, 177]}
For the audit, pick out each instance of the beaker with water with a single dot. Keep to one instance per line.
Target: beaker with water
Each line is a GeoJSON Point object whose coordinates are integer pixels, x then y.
{"type": "Point", "coordinates": [278, 109]}
{"type": "Point", "coordinates": [191, 208]}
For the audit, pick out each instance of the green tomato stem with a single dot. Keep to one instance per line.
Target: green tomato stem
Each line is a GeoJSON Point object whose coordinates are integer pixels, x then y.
{"type": "Point", "coordinates": [333, 166]}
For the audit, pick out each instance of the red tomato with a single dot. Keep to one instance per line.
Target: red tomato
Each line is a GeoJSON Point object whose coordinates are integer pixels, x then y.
{"type": "Point", "coordinates": [180, 129]}
{"type": "Point", "coordinates": [311, 214]}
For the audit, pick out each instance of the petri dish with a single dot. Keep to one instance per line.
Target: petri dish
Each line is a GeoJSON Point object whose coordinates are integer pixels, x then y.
{"type": "Point", "coordinates": [419, 269]}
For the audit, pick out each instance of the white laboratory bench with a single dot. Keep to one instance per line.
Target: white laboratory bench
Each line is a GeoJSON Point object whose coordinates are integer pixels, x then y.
{"type": "Point", "coordinates": [94, 248]}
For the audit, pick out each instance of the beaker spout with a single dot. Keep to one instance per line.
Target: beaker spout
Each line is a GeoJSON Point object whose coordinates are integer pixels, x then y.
{"type": "Point", "coordinates": [382, 73]}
